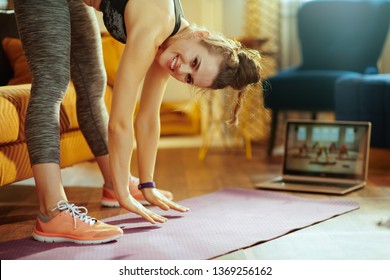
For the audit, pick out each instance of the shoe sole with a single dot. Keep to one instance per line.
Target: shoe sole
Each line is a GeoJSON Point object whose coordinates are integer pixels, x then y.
{"type": "Point", "coordinates": [46, 239]}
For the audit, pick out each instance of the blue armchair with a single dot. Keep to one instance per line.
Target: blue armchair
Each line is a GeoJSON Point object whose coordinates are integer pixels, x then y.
{"type": "Point", "coordinates": [337, 39]}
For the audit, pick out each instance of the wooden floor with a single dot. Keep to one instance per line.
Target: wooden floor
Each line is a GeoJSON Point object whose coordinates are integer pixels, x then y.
{"type": "Point", "coordinates": [355, 235]}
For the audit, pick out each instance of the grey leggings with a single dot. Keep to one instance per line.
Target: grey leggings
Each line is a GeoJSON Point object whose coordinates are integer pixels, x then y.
{"type": "Point", "coordinates": [61, 40]}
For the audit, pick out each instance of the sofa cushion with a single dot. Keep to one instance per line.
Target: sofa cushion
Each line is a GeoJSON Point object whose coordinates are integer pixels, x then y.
{"type": "Point", "coordinates": [366, 98]}
{"type": "Point", "coordinates": [18, 96]}
{"type": "Point", "coordinates": [14, 51]}
{"type": "Point", "coordinates": [16, 100]}
{"type": "Point", "coordinates": [14, 163]}
{"type": "Point", "coordinates": [112, 52]}
{"type": "Point", "coordinates": [9, 121]}
{"type": "Point", "coordinates": [68, 114]}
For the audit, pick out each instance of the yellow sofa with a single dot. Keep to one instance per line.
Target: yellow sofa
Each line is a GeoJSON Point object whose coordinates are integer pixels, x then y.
{"type": "Point", "coordinates": [14, 95]}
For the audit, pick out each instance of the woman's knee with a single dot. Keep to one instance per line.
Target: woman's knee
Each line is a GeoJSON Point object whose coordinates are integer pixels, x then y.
{"type": "Point", "coordinates": [49, 86]}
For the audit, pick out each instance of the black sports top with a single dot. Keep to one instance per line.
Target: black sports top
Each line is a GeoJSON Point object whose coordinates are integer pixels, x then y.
{"type": "Point", "coordinates": [113, 17]}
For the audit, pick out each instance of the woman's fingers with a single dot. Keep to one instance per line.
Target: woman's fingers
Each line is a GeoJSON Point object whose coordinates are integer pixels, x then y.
{"type": "Point", "coordinates": [134, 206]}
{"type": "Point", "coordinates": [156, 217]}
{"type": "Point", "coordinates": [151, 216]}
{"type": "Point", "coordinates": [175, 206]}
{"type": "Point", "coordinates": [156, 198]}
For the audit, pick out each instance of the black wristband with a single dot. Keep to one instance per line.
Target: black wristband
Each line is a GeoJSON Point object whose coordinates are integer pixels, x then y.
{"type": "Point", "coordinates": [146, 185]}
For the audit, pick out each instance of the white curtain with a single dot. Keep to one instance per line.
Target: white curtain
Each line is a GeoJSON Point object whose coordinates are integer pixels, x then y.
{"type": "Point", "coordinates": [289, 45]}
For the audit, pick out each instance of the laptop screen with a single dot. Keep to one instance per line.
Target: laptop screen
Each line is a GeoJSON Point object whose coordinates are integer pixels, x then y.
{"type": "Point", "coordinates": [336, 150]}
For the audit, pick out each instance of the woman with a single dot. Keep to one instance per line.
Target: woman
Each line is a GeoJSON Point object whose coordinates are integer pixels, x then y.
{"type": "Point", "coordinates": [155, 52]}
{"type": "Point", "coordinates": [61, 41]}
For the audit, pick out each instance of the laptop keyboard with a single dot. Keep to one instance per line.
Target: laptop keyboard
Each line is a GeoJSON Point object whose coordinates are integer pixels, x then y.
{"type": "Point", "coordinates": [340, 185]}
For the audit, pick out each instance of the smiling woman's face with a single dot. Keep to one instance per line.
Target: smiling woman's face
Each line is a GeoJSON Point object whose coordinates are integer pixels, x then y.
{"type": "Point", "coordinates": [188, 61]}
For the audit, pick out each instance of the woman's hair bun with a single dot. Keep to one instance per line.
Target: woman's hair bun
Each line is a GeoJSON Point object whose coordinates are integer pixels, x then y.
{"type": "Point", "coordinates": [240, 67]}
{"type": "Point", "coordinates": [248, 71]}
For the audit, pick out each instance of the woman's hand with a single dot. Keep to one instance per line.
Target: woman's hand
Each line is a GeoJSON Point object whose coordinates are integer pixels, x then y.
{"type": "Point", "coordinates": [132, 205]}
{"type": "Point", "coordinates": [154, 197]}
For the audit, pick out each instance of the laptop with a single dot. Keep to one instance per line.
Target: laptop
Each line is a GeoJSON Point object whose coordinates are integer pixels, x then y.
{"type": "Point", "coordinates": [323, 157]}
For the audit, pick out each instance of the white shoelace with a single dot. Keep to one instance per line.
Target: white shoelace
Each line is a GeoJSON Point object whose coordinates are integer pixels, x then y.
{"type": "Point", "coordinates": [76, 212]}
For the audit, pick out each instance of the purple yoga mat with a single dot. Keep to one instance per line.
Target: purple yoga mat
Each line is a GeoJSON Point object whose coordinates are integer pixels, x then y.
{"type": "Point", "coordinates": [218, 223]}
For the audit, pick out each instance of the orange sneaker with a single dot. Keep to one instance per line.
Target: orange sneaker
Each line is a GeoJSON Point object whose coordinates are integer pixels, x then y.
{"type": "Point", "coordinates": [73, 225]}
{"type": "Point", "coordinates": [108, 199]}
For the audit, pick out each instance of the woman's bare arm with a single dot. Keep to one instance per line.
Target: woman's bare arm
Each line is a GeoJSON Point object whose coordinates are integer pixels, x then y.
{"type": "Point", "coordinates": [143, 40]}
{"type": "Point", "coordinates": [138, 55]}
{"type": "Point", "coordinates": [148, 134]}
